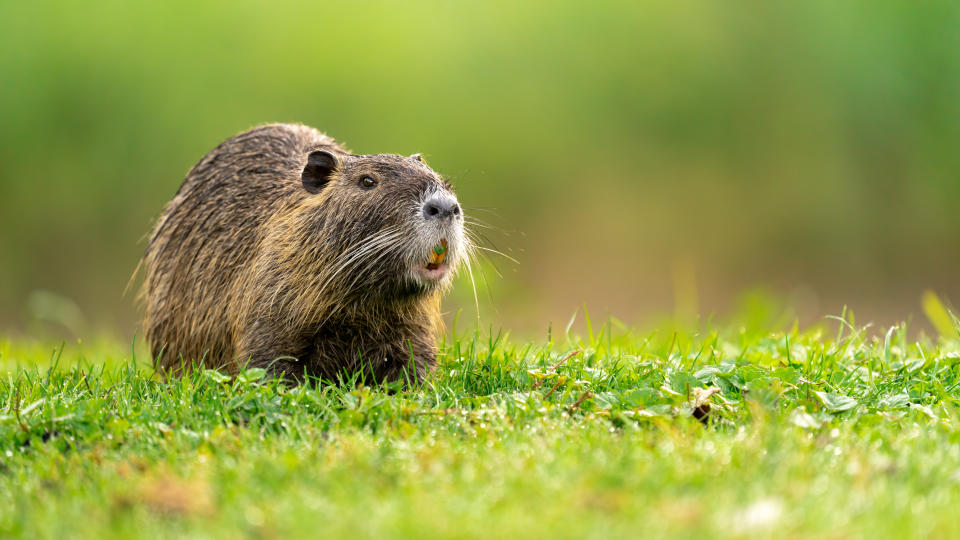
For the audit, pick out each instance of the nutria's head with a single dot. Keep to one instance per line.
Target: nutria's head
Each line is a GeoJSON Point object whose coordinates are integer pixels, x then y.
{"type": "Point", "coordinates": [390, 225]}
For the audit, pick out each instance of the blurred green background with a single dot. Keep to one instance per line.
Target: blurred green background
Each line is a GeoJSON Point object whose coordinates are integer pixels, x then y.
{"type": "Point", "coordinates": [641, 158]}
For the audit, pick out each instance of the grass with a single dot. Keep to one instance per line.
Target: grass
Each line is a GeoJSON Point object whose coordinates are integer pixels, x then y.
{"type": "Point", "coordinates": [723, 433]}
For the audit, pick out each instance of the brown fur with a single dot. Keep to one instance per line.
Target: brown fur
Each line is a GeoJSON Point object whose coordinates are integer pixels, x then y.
{"type": "Point", "coordinates": [245, 265]}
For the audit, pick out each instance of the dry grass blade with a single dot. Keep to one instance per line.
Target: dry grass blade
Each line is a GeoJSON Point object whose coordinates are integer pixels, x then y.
{"type": "Point", "coordinates": [553, 369]}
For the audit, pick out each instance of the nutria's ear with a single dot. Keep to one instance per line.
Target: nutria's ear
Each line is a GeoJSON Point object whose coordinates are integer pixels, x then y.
{"type": "Point", "coordinates": [417, 157]}
{"type": "Point", "coordinates": [320, 165]}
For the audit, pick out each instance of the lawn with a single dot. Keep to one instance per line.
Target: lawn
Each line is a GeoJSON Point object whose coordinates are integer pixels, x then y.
{"type": "Point", "coordinates": [832, 431]}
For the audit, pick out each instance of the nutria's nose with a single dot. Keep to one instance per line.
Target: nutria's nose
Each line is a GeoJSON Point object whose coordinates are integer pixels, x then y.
{"type": "Point", "coordinates": [440, 208]}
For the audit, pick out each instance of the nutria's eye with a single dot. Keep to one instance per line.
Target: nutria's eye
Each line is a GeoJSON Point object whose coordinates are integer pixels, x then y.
{"type": "Point", "coordinates": [368, 183]}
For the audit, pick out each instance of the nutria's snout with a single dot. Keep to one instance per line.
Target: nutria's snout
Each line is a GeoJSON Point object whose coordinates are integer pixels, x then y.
{"type": "Point", "coordinates": [440, 228]}
{"type": "Point", "coordinates": [440, 207]}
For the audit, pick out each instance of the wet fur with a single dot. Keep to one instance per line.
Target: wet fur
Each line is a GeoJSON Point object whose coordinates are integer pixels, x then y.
{"type": "Point", "coordinates": [246, 267]}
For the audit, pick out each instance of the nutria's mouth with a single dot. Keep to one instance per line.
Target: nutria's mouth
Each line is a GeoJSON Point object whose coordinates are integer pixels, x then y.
{"type": "Point", "coordinates": [437, 265]}
{"type": "Point", "coordinates": [437, 255]}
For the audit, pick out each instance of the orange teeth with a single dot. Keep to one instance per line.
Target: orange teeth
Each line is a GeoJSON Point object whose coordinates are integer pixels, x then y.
{"type": "Point", "coordinates": [439, 253]}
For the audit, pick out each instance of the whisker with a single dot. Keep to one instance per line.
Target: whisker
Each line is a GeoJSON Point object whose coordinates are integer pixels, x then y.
{"type": "Point", "coordinates": [491, 245]}
{"type": "Point", "coordinates": [474, 254]}
{"type": "Point", "coordinates": [489, 210]}
{"type": "Point", "coordinates": [371, 263]}
{"type": "Point", "coordinates": [502, 254]}
{"type": "Point", "coordinates": [485, 225]}
{"type": "Point", "coordinates": [476, 300]}
{"type": "Point", "coordinates": [353, 254]}
{"type": "Point", "coordinates": [479, 253]}
{"type": "Point", "coordinates": [483, 276]}
{"type": "Point", "coordinates": [379, 240]}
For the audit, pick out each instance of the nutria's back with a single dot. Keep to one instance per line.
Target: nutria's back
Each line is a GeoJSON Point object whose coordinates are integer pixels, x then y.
{"type": "Point", "coordinates": [280, 244]}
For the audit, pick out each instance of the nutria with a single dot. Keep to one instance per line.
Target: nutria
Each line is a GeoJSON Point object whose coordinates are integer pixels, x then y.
{"type": "Point", "coordinates": [285, 251]}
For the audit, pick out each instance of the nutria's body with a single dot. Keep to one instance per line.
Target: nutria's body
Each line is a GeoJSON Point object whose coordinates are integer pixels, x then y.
{"type": "Point", "coordinates": [283, 250]}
